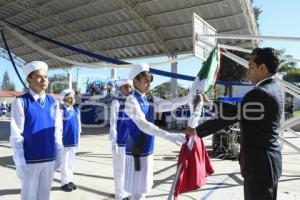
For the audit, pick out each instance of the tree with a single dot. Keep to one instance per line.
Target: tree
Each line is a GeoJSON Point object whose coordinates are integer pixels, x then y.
{"type": "Point", "coordinates": [7, 85]}
{"type": "Point", "coordinates": [164, 90]}
{"type": "Point", "coordinates": [58, 83]}
{"type": "Point", "coordinates": [232, 71]}
{"type": "Point", "coordinates": [257, 11]}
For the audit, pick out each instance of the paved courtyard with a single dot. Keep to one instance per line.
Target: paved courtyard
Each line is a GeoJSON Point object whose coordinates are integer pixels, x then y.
{"type": "Point", "coordinates": [94, 176]}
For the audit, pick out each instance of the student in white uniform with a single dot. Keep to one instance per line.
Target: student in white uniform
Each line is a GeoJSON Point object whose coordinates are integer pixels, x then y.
{"type": "Point", "coordinates": [36, 134]}
{"type": "Point", "coordinates": [71, 136]}
{"type": "Point", "coordinates": [118, 136]}
{"type": "Point", "coordinates": [140, 143]}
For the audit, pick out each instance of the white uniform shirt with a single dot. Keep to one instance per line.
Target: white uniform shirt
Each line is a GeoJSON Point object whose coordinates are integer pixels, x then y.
{"type": "Point", "coordinates": [134, 112]}
{"type": "Point", "coordinates": [114, 112]}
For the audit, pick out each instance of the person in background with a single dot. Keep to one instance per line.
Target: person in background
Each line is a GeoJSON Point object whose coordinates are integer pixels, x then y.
{"type": "Point", "coordinates": [36, 134]}
{"type": "Point", "coordinates": [71, 138]}
{"type": "Point", "coordinates": [118, 136]}
{"type": "Point", "coordinates": [259, 115]}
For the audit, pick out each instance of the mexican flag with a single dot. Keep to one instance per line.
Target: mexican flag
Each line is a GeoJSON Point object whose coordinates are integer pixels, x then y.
{"type": "Point", "coordinates": [204, 83]}
{"type": "Point", "coordinates": [193, 165]}
{"type": "Point", "coordinates": [206, 78]}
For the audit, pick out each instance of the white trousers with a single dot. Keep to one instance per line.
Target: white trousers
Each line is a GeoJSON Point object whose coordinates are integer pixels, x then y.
{"type": "Point", "coordinates": [37, 185]}
{"type": "Point", "coordinates": [119, 173]}
{"type": "Point", "coordinates": [138, 183]}
{"type": "Point", "coordinates": [137, 197]}
{"type": "Point", "coordinates": [67, 166]}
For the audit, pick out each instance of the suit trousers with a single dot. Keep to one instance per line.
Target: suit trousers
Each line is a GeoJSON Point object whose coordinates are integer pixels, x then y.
{"type": "Point", "coordinates": [257, 190]}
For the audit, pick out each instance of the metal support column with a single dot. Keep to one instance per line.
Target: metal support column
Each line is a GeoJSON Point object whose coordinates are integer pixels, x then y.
{"type": "Point", "coordinates": [174, 80]}
{"type": "Point", "coordinates": [113, 74]}
{"type": "Point", "coordinates": [69, 75]}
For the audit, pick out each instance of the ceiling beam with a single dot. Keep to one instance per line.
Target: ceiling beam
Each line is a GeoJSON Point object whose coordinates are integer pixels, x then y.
{"type": "Point", "coordinates": [207, 20]}
{"type": "Point", "coordinates": [118, 24]}
{"type": "Point", "coordinates": [188, 8]}
{"type": "Point", "coordinates": [112, 38]}
{"type": "Point", "coordinates": [250, 20]}
{"type": "Point", "coordinates": [46, 12]}
{"type": "Point", "coordinates": [34, 54]}
{"type": "Point", "coordinates": [40, 8]}
{"type": "Point", "coordinates": [60, 20]}
{"type": "Point", "coordinates": [136, 12]}
{"type": "Point", "coordinates": [63, 13]}
{"type": "Point", "coordinates": [82, 43]}
{"type": "Point", "coordinates": [18, 61]}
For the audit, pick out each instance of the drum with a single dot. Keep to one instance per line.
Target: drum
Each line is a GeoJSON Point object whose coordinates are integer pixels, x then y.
{"type": "Point", "coordinates": [225, 143]}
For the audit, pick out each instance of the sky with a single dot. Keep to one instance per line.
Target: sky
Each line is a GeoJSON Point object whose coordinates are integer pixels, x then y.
{"type": "Point", "coordinates": [279, 18]}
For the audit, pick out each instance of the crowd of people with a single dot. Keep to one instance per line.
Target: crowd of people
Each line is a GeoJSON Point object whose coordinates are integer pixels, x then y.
{"type": "Point", "coordinates": [45, 136]}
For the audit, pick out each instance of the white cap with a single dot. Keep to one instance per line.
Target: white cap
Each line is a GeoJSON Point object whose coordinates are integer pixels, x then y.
{"type": "Point", "coordinates": [64, 93]}
{"type": "Point", "coordinates": [34, 65]}
{"type": "Point", "coordinates": [135, 70]}
{"type": "Point", "coordinates": [124, 81]}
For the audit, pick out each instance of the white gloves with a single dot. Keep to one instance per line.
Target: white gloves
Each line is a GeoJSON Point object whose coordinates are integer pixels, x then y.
{"type": "Point", "coordinates": [177, 138]}
{"type": "Point", "coordinates": [18, 156]}
{"type": "Point", "coordinates": [58, 159]}
{"type": "Point", "coordinates": [115, 148]}
{"type": "Point", "coordinates": [196, 86]}
{"type": "Point", "coordinates": [23, 171]}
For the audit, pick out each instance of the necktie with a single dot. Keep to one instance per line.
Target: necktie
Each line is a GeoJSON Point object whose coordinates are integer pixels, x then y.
{"type": "Point", "coordinates": [40, 101]}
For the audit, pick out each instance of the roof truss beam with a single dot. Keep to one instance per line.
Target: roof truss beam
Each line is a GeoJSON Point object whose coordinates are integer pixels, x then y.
{"type": "Point", "coordinates": [136, 12]}
{"type": "Point", "coordinates": [70, 27]}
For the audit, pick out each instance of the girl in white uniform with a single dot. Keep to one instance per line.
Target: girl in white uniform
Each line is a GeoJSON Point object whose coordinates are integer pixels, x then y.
{"type": "Point", "coordinates": [118, 135]}
{"type": "Point", "coordinates": [71, 136]}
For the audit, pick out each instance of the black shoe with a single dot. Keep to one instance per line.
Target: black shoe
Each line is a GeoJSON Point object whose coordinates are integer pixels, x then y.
{"type": "Point", "coordinates": [66, 188]}
{"type": "Point", "coordinates": [73, 186]}
{"type": "Point", "coordinates": [126, 198]}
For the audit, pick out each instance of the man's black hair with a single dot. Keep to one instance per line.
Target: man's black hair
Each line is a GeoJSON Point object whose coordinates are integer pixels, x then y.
{"type": "Point", "coordinates": [267, 56]}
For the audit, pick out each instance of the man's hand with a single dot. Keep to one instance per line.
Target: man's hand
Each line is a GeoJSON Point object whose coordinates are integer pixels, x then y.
{"type": "Point", "coordinates": [190, 131]}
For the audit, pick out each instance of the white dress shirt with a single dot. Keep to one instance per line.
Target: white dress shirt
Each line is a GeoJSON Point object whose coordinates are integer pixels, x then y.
{"type": "Point", "coordinates": [259, 82]}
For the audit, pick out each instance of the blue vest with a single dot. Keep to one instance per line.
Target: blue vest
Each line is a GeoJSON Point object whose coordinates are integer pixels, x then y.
{"type": "Point", "coordinates": [39, 129]}
{"type": "Point", "coordinates": [135, 134]}
{"type": "Point", "coordinates": [70, 127]}
{"type": "Point", "coordinates": [122, 131]}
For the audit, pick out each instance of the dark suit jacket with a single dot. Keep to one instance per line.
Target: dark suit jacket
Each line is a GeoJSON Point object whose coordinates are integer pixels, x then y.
{"type": "Point", "coordinates": [260, 156]}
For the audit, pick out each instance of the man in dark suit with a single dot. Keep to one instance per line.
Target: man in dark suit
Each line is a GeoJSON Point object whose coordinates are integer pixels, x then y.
{"type": "Point", "coordinates": [259, 115]}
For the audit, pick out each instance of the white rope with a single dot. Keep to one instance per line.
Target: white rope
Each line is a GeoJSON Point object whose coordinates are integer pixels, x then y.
{"type": "Point", "coordinates": [76, 63]}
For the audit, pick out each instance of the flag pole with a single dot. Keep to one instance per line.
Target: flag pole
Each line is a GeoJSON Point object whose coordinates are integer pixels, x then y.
{"type": "Point", "coordinates": [174, 182]}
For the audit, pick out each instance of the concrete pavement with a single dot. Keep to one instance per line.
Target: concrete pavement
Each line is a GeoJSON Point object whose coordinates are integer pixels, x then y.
{"type": "Point", "coordinates": [94, 176]}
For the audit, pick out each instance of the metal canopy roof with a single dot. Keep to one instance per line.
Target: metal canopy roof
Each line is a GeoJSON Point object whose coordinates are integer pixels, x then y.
{"type": "Point", "coordinates": [121, 29]}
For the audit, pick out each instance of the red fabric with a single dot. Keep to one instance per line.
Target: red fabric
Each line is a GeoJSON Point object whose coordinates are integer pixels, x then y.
{"type": "Point", "coordinates": [195, 167]}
